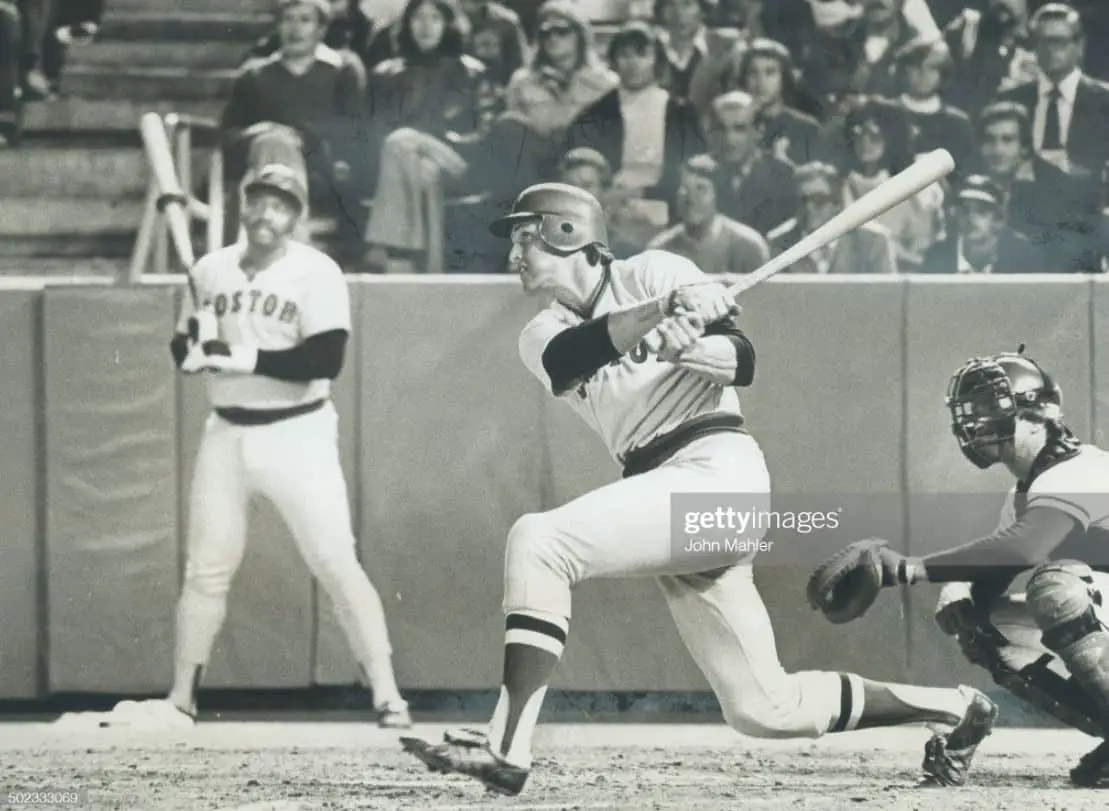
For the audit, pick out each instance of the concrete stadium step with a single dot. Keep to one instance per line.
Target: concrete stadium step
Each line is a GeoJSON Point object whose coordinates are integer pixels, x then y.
{"type": "Point", "coordinates": [74, 248]}
{"type": "Point", "coordinates": [124, 53]}
{"type": "Point", "coordinates": [110, 173]}
{"type": "Point", "coordinates": [185, 26]}
{"type": "Point", "coordinates": [148, 84]}
{"type": "Point", "coordinates": [63, 266]}
{"type": "Point", "coordinates": [64, 217]}
{"type": "Point", "coordinates": [75, 116]}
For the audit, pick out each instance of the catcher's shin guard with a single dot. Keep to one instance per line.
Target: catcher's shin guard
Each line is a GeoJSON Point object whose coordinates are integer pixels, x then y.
{"type": "Point", "coordinates": [1036, 683]}
{"type": "Point", "coordinates": [1060, 698]}
{"type": "Point", "coordinates": [1061, 599]}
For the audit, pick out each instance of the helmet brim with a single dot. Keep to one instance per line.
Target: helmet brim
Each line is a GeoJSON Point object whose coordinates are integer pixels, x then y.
{"type": "Point", "coordinates": [502, 228]}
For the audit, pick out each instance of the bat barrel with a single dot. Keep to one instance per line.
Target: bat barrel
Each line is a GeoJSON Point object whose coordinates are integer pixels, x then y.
{"type": "Point", "coordinates": [923, 173]}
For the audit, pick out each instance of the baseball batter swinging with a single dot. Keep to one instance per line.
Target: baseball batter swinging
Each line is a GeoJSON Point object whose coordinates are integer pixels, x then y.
{"type": "Point", "coordinates": [647, 352]}
{"type": "Point", "coordinates": [271, 329]}
{"type": "Point", "coordinates": [1048, 644]}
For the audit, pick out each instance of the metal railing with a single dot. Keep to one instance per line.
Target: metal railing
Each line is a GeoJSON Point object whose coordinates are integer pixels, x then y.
{"type": "Point", "coordinates": [171, 208]}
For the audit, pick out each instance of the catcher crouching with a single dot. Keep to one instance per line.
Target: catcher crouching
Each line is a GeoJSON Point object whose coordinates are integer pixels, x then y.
{"type": "Point", "coordinates": [1049, 645]}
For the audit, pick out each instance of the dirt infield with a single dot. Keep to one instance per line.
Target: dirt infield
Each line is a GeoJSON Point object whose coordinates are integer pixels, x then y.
{"type": "Point", "coordinates": [275, 766]}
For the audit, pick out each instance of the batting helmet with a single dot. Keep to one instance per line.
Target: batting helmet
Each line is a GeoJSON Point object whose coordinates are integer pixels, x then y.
{"type": "Point", "coordinates": [570, 218]}
{"type": "Point", "coordinates": [284, 180]}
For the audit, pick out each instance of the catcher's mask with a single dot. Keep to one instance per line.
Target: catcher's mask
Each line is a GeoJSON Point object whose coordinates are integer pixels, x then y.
{"type": "Point", "coordinates": [570, 219]}
{"type": "Point", "coordinates": [987, 395]}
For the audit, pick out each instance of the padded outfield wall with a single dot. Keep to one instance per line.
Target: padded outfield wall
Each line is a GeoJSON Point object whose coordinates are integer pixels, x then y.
{"type": "Point", "coordinates": [447, 440]}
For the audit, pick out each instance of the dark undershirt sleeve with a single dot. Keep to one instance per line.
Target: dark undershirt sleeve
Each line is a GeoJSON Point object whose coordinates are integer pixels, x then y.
{"type": "Point", "coordinates": [179, 348]}
{"type": "Point", "coordinates": [1007, 552]}
{"type": "Point", "coordinates": [744, 350]}
{"type": "Point", "coordinates": [576, 353]}
{"type": "Point", "coordinates": [319, 357]}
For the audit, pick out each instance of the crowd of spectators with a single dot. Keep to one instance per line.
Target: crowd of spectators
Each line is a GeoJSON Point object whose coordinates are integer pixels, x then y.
{"type": "Point", "coordinates": [34, 38]}
{"type": "Point", "coordinates": [723, 130]}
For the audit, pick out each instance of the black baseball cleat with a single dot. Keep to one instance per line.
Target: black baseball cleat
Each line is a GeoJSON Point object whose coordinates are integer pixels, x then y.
{"type": "Point", "coordinates": [947, 757]}
{"type": "Point", "coordinates": [469, 754]}
{"type": "Point", "coordinates": [1092, 770]}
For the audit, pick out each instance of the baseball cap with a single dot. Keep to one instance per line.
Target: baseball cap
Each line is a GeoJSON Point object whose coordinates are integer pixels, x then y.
{"type": "Point", "coordinates": [322, 6]}
{"type": "Point", "coordinates": [636, 33]}
{"type": "Point", "coordinates": [981, 188]}
{"type": "Point", "coordinates": [278, 177]}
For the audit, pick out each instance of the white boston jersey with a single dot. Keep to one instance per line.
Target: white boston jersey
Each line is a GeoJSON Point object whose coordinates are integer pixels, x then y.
{"type": "Point", "coordinates": [1078, 486]}
{"type": "Point", "coordinates": [637, 397]}
{"type": "Point", "coordinates": [301, 294]}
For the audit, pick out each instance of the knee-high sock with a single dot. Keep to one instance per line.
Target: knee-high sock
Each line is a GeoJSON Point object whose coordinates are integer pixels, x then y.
{"type": "Point", "coordinates": [865, 704]}
{"type": "Point", "coordinates": [533, 644]}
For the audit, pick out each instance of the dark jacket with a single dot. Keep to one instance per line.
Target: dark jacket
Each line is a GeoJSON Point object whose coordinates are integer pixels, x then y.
{"type": "Point", "coordinates": [763, 199]}
{"type": "Point", "coordinates": [1015, 254]}
{"type": "Point", "coordinates": [601, 127]}
{"type": "Point", "coordinates": [1087, 146]}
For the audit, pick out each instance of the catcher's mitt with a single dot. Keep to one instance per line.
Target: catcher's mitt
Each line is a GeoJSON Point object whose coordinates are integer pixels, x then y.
{"type": "Point", "coordinates": [847, 584]}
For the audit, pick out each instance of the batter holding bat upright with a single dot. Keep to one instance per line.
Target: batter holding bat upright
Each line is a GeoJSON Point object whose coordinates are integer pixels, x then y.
{"type": "Point", "coordinates": [271, 328]}
{"type": "Point", "coordinates": [648, 353]}
{"type": "Point", "coordinates": [1049, 644]}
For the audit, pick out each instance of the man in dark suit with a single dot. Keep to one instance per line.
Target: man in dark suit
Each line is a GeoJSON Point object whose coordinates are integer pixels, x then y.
{"type": "Point", "coordinates": [1070, 111]}
{"type": "Point", "coordinates": [867, 249]}
{"type": "Point", "coordinates": [1059, 214]}
{"type": "Point", "coordinates": [981, 241]}
{"type": "Point", "coordinates": [752, 187]}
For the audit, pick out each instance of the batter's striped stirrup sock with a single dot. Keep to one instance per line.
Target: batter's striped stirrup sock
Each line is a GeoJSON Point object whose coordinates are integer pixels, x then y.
{"type": "Point", "coordinates": [533, 644]}
{"type": "Point", "coordinates": [852, 700]}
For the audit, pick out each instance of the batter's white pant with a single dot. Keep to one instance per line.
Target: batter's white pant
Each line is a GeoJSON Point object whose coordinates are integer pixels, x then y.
{"type": "Point", "coordinates": [295, 464]}
{"type": "Point", "coordinates": [624, 530]}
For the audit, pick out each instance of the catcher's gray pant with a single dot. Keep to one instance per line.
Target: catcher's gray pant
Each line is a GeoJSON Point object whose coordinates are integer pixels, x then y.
{"type": "Point", "coordinates": [624, 530]}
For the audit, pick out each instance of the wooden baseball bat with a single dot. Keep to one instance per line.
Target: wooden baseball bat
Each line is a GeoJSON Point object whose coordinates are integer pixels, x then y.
{"type": "Point", "coordinates": [173, 200]}
{"type": "Point", "coordinates": [922, 174]}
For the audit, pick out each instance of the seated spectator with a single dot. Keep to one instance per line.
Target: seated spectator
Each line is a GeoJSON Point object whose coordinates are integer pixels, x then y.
{"type": "Point", "coordinates": [494, 34]}
{"type": "Point", "coordinates": [1059, 214]}
{"type": "Point", "coordinates": [425, 105]}
{"type": "Point", "coordinates": [304, 98]}
{"type": "Point", "coordinates": [629, 228]}
{"type": "Point", "coordinates": [704, 236]}
{"type": "Point", "coordinates": [766, 72]}
{"type": "Point", "coordinates": [922, 67]}
{"type": "Point", "coordinates": [980, 240]}
{"type": "Point", "coordinates": [565, 77]}
{"type": "Point", "coordinates": [879, 149]}
{"type": "Point", "coordinates": [639, 128]}
{"type": "Point", "coordinates": [687, 46]}
{"type": "Point", "coordinates": [991, 53]}
{"type": "Point", "coordinates": [348, 32]}
{"type": "Point", "coordinates": [752, 186]}
{"type": "Point", "coordinates": [1069, 109]}
{"type": "Point", "coordinates": [10, 36]}
{"type": "Point", "coordinates": [850, 51]}
{"type": "Point", "coordinates": [867, 249]}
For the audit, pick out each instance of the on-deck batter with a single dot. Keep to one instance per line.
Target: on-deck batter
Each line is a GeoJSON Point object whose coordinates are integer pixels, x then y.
{"type": "Point", "coordinates": [272, 327]}
{"type": "Point", "coordinates": [625, 344]}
